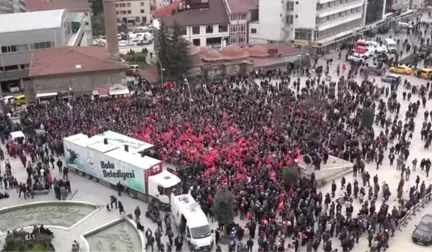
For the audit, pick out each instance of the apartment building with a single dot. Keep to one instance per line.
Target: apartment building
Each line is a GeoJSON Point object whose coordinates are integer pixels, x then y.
{"type": "Point", "coordinates": [12, 6]}
{"type": "Point", "coordinates": [318, 23]}
{"type": "Point", "coordinates": [240, 14]}
{"type": "Point", "coordinates": [207, 26]}
{"type": "Point", "coordinates": [133, 12]}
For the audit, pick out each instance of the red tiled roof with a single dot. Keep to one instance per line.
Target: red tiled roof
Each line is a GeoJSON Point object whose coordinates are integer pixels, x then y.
{"type": "Point", "coordinates": [71, 5]}
{"type": "Point", "coordinates": [150, 74]}
{"type": "Point", "coordinates": [241, 6]}
{"type": "Point", "coordinates": [166, 10]}
{"type": "Point", "coordinates": [70, 60]}
{"type": "Point", "coordinates": [211, 55]}
{"type": "Point", "coordinates": [234, 52]}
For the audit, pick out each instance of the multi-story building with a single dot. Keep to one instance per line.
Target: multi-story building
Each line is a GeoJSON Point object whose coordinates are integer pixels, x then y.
{"type": "Point", "coordinates": [239, 14]}
{"type": "Point", "coordinates": [12, 6]}
{"type": "Point", "coordinates": [207, 26]}
{"type": "Point", "coordinates": [374, 11]}
{"type": "Point", "coordinates": [133, 12]}
{"type": "Point", "coordinates": [321, 23]}
{"type": "Point", "coordinates": [79, 10]}
{"type": "Point", "coordinates": [32, 31]}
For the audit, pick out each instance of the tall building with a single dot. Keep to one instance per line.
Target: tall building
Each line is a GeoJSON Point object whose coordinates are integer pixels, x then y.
{"type": "Point", "coordinates": [12, 6]}
{"type": "Point", "coordinates": [133, 12]}
{"type": "Point", "coordinates": [321, 24]}
{"type": "Point", "coordinates": [374, 11]}
{"type": "Point", "coordinates": [240, 13]}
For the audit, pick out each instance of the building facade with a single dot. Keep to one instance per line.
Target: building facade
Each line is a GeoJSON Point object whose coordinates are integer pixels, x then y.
{"type": "Point", "coordinates": [133, 12]}
{"type": "Point", "coordinates": [33, 31]}
{"type": "Point", "coordinates": [12, 6]}
{"type": "Point", "coordinates": [80, 12]}
{"type": "Point", "coordinates": [240, 14]}
{"type": "Point", "coordinates": [202, 27]}
{"type": "Point", "coordinates": [374, 11]}
{"type": "Point", "coordinates": [326, 23]}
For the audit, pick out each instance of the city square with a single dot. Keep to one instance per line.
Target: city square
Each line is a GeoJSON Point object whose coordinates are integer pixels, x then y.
{"type": "Point", "coordinates": [238, 125]}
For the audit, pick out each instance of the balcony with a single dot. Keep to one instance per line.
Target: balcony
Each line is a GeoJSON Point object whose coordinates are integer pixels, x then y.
{"type": "Point", "coordinates": [335, 22]}
{"type": "Point", "coordinates": [336, 9]}
{"type": "Point", "coordinates": [14, 74]}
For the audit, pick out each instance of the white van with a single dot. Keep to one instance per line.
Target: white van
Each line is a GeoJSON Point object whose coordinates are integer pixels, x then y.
{"type": "Point", "coordinates": [390, 44]}
{"type": "Point", "coordinates": [192, 222]}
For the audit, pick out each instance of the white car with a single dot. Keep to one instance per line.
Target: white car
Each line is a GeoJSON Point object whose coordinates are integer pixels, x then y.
{"type": "Point", "coordinates": [123, 43]}
{"type": "Point", "coordinates": [355, 57]}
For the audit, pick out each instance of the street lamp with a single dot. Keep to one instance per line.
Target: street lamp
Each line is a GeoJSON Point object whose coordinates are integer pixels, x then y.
{"type": "Point", "coordinates": [161, 68]}
{"type": "Point", "coordinates": [189, 91]}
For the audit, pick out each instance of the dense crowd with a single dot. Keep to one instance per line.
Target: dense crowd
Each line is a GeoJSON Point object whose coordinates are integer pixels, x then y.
{"type": "Point", "coordinates": [242, 132]}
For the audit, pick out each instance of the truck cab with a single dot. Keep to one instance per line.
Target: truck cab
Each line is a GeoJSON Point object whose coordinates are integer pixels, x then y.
{"type": "Point", "coordinates": [162, 185]}
{"type": "Point", "coordinates": [191, 222]}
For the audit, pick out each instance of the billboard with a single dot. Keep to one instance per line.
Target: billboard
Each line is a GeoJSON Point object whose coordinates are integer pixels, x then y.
{"type": "Point", "coordinates": [104, 167]}
{"type": "Point", "coordinates": [197, 4]}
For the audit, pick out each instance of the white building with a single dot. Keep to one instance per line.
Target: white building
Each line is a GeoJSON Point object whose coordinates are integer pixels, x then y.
{"type": "Point", "coordinates": [240, 14]}
{"type": "Point", "coordinates": [12, 6]}
{"type": "Point", "coordinates": [319, 22]}
{"type": "Point", "coordinates": [203, 27]}
{"type": "Point", "coordinates": [79, 13]}
{"type": "Point", "coordinates": [133, 12]}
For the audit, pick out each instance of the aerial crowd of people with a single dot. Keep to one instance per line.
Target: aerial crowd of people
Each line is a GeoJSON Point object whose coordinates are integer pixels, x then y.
{"type": "Point", "coordinates": [241, 133]}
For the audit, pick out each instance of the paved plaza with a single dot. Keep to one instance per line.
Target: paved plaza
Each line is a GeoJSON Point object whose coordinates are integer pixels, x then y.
{"type": "Point", "coordinates": [82, 222]}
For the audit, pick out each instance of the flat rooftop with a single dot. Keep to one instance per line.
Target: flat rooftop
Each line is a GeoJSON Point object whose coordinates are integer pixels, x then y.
{"type": "Point", "coordinates": [28, 21]}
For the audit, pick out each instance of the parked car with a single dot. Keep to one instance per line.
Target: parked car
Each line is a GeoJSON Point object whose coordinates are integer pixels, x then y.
{"type": "Point", "coordinates": [373, 70]}
{"type": "Point", "coordinates": [422, 233]}
{"type": "Point", "coordinates": [425, 73]}
{"type": "Point", "coordinates": [401, 70]}
{"type": "Point", "coordinates": [355, 57]}
{"type": "Point", "coordinates": [393, 79]}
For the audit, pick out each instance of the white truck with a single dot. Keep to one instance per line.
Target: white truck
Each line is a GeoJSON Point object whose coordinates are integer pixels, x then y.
{"type": "Point", "coordinates": [192, 222]}
{"type": "Point", "coordinates": [110, 158]}
{"type": "Point", "coordinates": [391, 45]}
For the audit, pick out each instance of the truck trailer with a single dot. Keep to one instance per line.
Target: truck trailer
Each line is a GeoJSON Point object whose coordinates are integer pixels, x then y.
{"type": "Point", "coordinates": [109, 159]}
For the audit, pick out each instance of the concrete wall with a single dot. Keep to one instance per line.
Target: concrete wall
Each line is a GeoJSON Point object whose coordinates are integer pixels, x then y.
{"type": "Point", "coordinates": [80, 83]}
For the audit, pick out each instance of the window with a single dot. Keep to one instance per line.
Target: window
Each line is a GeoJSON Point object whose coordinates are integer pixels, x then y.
{"type": "Point", "coordinates": [243, 17]}
{"type": "Point", "coordinates": [142, 11]}
{"type": "Point", "coordinates": [183, 30]}
{"type": "Point", "coordinates": [233, 28]}
{"type": "Point", "coordinates": [223, 28]}
{"type": "Point", "coordinates": [137, 19]}
{"type": "Point", "coordinates": [128, 5]}
{"type": "Point", "coordinates": [303, 34]}
{"type": "Point", "coordinates": [242, 29]}
{"type": "Point", "coordinates": [13, 48]}
{"type": "Point", "coordinates": [209, 29]}
{"type": "Point", "coordinates": [241, 40]}
{"type": "Point", "coordinates": [290, 6]}
{"type": "Point", "coordinates": [122, 5]}
{"type": "Point", "coordinates": [233, 17]}
{"type": "Point", "coordinates": [22, 48]}
{"type": "Point", "coordinates": [196, 30]}
{"type": "Point", "coordinates": [42, 45]}
{"type": "Point", "coordinates": [129, 12]}
{"type": "Point", "coordinates": [290, 19]}
{"type": "Point", "coordinates": [196, 42]}
{"type": "Point", "coordinates": [116, 5]}
{"type": "Point", "coordinates": [4, 49]}
{"type": "Point", "coordinates": [253, 31]}
{"type": "Point", "coordinates": [123, 12]}
{"type": "Point", "coordinates": [117, 12]}
{"type": "Point", "coordinates": [141, 3]}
